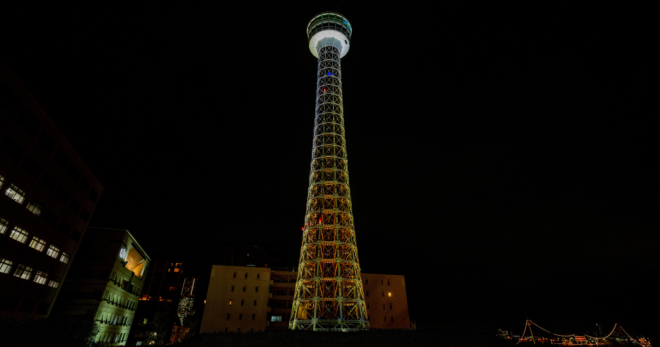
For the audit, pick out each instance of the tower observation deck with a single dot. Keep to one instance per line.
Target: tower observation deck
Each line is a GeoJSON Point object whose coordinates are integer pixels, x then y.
{"type": "Point", "coordinates": [329, 294]}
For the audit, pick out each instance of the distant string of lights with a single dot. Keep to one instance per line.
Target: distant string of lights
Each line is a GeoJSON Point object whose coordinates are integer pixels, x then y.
{"type": "Point", "coordinates": [528, 322]}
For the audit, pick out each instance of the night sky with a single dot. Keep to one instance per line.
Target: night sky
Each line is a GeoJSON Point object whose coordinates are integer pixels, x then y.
{"type": "Point", "coordinates": [493, 157]}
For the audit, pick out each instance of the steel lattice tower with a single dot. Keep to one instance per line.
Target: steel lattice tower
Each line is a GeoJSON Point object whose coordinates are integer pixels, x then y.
{"type": "Point", "coordinates": [329, 293]}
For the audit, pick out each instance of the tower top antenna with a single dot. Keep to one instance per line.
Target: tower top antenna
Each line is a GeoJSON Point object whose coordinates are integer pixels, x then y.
{"type": "Point", "coordinates": [329, 29]}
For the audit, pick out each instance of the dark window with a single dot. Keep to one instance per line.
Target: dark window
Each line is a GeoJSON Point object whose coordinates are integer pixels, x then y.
{"type": "Point", "coordinates": [74, 173]}
{"type": "Point", "coordinates": [242, 302]}
{"type": "Point", "coordinates": [84, 185]}
{"type": "Point", "coordinates": [246, 275]}
{"type": "Point", "coordinates": [256, 289]}
{"type": "Point", "coordinates": [385, 319]}
{"type": "Point", "coordinates": [367, 306]}
{"type": "Point", "coordinates": [61, 159]}
{"type": "Point", "coordinates": [64, 228]}
{"type": "Point", "coordinates": [392, 319]}
{"type": "Point", "coordinates": [244, 287]}
{"type": "Point", "coordinates": [43, 308]}
{"type": "Point", "coordinates": [50, 218]}
{"type": "Point", "coordinates": [367, 293]}
{"type": "Point", "coordinates": [240, 316]}
{"type": "Point", "coordinates": [232, 288]}
{"type": "Point", "coordinates": [46, 142]}
{"type": "Point", "coordinates": [390, 306]}
{"type": "Point", "coordinates": [12, 148]}
{"type": "Point", "coordinates": [381, 282]}
{"type": "Point", "coordinates": [258, 275]}
{"type": "Point", "coordinates": [388, 282]}
{"type": "Point", "coordinates": [8, 303]}
{"type": "Point", "coordinates": [84, 214]}
{"type": "Point", "coordinates": [255, 302]}
{"type": "Point", "coordinates": [74, 205]}
{"type": "Point", "coordinates": [367, 281]}
{"type": "Point", "coordinates": [75, 235]}
{"type": "Point", "coordinates": [93, 195]}
{"type": "Point", "coordinates": [27, 306]}
{"type": "Point", "coordinates": [31, 166]}
{"type": "Point", "coordinates": [234, 275]}
{"type": "Point", "coordinates": [383, 294]}
{"type": "Point", "coordinates": [228, 315]}
{"type": "Point", "coordinates": [9, 99]}
{"type": "Point", "coordinates": [383, 306]}
{"type": "Point", "coordinates": [253, 315]}
{"type": "Point", "coordinates": [29, 123]}
{"type": "Point", "coordinates": [62, 194]}
{"type": "Point", "coordinates": [48, 181]}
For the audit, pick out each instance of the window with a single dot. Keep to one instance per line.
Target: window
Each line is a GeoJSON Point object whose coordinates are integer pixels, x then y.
{"type": "Point", "coordinates": [34, 207]}
{"type": "Point", "coordinates": [232, 288]}
{"type": "Point", "coordinates": [19, 235]}
{"type": "Point", "coordinates": [390, 306]}
{"type": "Point", "coordinates": [240, 316]}
{"type": "Point", "coordinates": [60, 158]}
{"type": "Point", "coordinates": [389, 294]}
{"type": "Point", "coordinates": [74, 205]}
{"type": "Point", "coordinates": [256, 289]}
{"type": "Point", "coordinates": [40, 277]}
{"type": "Point", "coordinates": [5, 265]}
{"type": "Point", "coordinates": [367, 281]}
{"type": "Point", "coordinates": [246, 275]}
{"type": "Point", "coordinates": [172, 289]}
{"type": "Point", "coordinates": [367, 306]}
{"type": "Point", "coordinates": [2, 180]}
{"type": "Point", "coordinates": [230, 302]}
{"type": "Point", "coordinates": [276, 318]}
{"type": "Point", "coordinates": [258, 275]}
{"type": "Point", "coordinates": [383, 294]}
{"type": "Point", "coordinates": [381, 282]}
{"type": "Point", "coordinates": [242, 302]}
{"type": "Point", "coordinates": [15, 194]}
{"type": "Point", "coordinates": [392, 319]}
{"type": "Point", "coordinates": [48, 181]}
{"type": "Point", "coordinates": [255, 302]}
{"type": "Point", "coordinates": [367, 293]}
{"type": "Point", "coordinates": [383, 306]}
{"type": "Point", "coordinates": [3, 224]}
{"type": "Point", "coordinates": [385, 319]}
{"type": "Point", "coordinates": [388, 282]}
{"type": "Point", "coordinates": [37, 243]}
{"type": "Point", "coordinates": [50, 218]}
{"type": "Point", "coordinates": [65, 257]}
{"type": "Point", "coordinates": [253, 315]}
{"type": "Point", "coordinates": [177, 269]}
{"type": "Point", "coordinates": [62, 194]}
{"type": "Point", "coordinates": [228, 315]}
{"type": "Point", "coordinates": [93, 195]}
{"type": "Point", "coordinates": [31, 166]}
{"type": "Point", "coordinates": [244, 287]}
{"type": "Point", "coordinates": [23, 271]}
{"type": "Point", "coordinates": [234, 275]}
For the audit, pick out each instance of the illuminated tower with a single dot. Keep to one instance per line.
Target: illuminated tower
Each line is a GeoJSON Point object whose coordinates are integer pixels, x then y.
{"type": "Point", "coordinates": [329, 293]}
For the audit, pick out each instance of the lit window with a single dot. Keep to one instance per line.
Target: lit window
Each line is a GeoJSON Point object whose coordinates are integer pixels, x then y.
{"type": "Point", "coordinates": [53, 251]}
{"type": "Point", "coordinates": [65, 258]}
{"type": "Point", "coordinates": [15, 194]}
{"type": "Point", "coordinates": [276, 318]}
{"type": "Point", "coordinates": [389, 294]}
{"type": "Point", "coordinates": [34, 207]}
{"type": "Point", "coordinates": [23, 271]}
{"type": "Point", "coordinates": [3, 225]}
{"type": "Point", "coordinates": [172, 289]}
{"type": "Point", "coordinates": [40, 277]}
{"type": "Point", "coordinates": [177, 269]}
{"type": "Point", "coordinates": [54, 283]}
{"type": "Point", "coordinates": [145, 321]}
{"type": "Point", "coordinates": [37, 243]}
{"type": "Point", "coordinates": [230, 302]}
{"type": "Point", "coordinates": [19, 235]}
{"type": "Point", "coordinates": [5, 265]}
{"type": "Point", "coordinates": [2, 180]}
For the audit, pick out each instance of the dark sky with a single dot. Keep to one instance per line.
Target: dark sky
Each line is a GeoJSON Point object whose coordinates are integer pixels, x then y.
{"type": "Point", "coordinates": [494, 160]}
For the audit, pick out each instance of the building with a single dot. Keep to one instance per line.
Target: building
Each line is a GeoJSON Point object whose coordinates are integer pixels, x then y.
{"type": "Point", "coordinates": [329, 291]}
{"type": "Point", "coordinates": [242, 299]}
{"type": "Point", "coordinates": [47, 198]}
{"type": "Point", "coordinates": [156, 314]}
{"type": "Point", "coordinates": [105, 283]}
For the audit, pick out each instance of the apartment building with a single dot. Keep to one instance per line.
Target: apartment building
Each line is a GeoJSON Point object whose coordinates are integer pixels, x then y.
{"type": "Point", "coordinates": [47, 199]}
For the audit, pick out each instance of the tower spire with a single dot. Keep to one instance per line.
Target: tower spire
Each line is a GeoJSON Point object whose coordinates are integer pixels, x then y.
{"type": "Point", "coordinates": [329, 293]}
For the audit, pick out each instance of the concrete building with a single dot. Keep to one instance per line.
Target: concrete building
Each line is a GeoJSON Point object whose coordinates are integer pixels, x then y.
{"type": "Point", "coordinates": [242, 298]}
{"type": "Point", "coordinates": [47, 198]}
{"type": "Point", "coordinates": [156, 314]}
{"type": "Point", "coordinates": [105, 284]}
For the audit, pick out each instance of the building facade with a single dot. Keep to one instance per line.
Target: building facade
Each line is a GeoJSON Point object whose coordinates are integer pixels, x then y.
{"type": "Point", "coordinates": [156, 314]}
{"type": "Point", "coordinates": [242, 298]}
{"type": "Point", "coordinates": [47, 198]}
{"type": "Point", "coordinates": [105, 284]}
